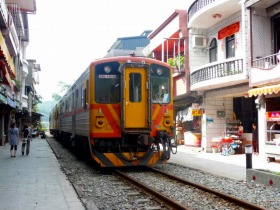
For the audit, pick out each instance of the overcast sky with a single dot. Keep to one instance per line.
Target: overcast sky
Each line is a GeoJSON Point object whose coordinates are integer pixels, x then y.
{"type": "Point", "coordinates": [66, 35]}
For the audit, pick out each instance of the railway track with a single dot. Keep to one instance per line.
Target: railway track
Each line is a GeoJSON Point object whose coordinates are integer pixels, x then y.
{"type": "Point", "coordinates": [175, 202]}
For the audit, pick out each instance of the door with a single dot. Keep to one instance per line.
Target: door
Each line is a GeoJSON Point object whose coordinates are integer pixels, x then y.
{"type": "Point", "coordinates": [135, 98]}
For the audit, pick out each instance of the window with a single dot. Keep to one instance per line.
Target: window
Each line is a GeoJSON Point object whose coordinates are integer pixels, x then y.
{"type": "Point", "coordinates": [76, 98]}
{"type": "Point", "coordinates": [107, 83]}
{"type": "Point", "coordinates": [230, 46]}
{"type": "Point", "coordinates": [135, 87]}
{"type": "Point", "coordinates": [160, 84]}
{"type": "Point", "coordinates": [82, 95]}
{"type": "Point", "coordinates": [213, 51]}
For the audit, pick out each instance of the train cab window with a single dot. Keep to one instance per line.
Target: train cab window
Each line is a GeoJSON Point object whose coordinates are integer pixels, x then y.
{"type": "Point", "coordinates": [107, 83]}
{"type": "Point", "coordinates": [160, 84]}
{"type": "Point", "coordinates": [135, 87]}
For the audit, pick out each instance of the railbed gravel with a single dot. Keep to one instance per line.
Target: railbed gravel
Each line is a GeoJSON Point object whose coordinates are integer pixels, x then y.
{"type": "Point", "coordinates": [106, 191]}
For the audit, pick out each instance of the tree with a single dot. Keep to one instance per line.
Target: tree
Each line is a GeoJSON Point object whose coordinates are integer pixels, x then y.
{"type": "Point", "coordinates": [63, 88]}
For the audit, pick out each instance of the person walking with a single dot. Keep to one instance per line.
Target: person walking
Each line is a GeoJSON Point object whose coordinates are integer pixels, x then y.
{"type": "Point", "coordinates": [13, 135]}
{"type": "Point", "coordinates": [26, 138]}
{"type": "Point", "coordinates": [255, 139]}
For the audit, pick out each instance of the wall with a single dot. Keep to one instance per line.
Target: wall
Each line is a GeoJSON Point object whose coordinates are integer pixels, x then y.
{"type": "Point", "coordinates": [215, 126]}
{"type": "Point", "coordinates": [200, 56]}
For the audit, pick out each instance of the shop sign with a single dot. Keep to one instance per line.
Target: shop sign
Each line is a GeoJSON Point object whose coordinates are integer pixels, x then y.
{"type": "Point", "coordinates": [196, 112]}
{"type": "Point", "coordinates": [228, 31]}
{"type": "Point", "coordinates": [273, 116]}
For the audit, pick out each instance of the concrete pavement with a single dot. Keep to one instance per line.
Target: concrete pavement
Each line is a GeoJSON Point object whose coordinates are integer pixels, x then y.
{"type": "Point", "coordinates": [35, 181]}
{"type": "Point", "coordinates": [232, 166]}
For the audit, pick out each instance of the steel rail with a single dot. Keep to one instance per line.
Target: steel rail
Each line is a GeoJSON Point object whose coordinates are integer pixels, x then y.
{"type": "Point", "coordinates": [162, 199]}
{"type": "Point", "coordinates": [230, 198]}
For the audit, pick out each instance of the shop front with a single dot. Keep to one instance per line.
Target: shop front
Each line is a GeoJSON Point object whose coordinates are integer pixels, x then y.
{"type": "Point", "coordinates": [188, 126]}
{"type": "Point", "coordinates": [272, 145]}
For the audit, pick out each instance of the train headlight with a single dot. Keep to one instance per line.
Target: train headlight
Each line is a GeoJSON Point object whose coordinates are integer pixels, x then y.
{"type": "Point", "coordinates": [167, 123]}
{"type": "Point", "coordinates": [99, 123]}
{"type": "Point", "coordinates": [159, 71]}
{"type": "Point", "coordinates": [107, 69]}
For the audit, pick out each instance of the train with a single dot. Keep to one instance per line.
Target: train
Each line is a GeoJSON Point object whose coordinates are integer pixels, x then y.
{"type": "Point", "coordinates": [119, 113]}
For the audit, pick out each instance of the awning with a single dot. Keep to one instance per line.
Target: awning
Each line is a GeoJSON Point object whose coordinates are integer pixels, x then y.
{"type": "Point", "coordinates": [264, 90]}
{"type": "Point", "coordinates": [4, 52]}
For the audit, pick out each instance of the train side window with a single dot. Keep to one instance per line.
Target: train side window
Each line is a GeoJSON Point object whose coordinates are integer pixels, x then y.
{"type": "Point", "coordinates": [82, 95]}
{"type": "Point", "coordinates": [87, 91]}
{"type": "Point", "coordinates": [135, 88]}
{"type": "Point", "coordinates": [84, 99]}
{"type": "Point", "coordinates": [76, 99]}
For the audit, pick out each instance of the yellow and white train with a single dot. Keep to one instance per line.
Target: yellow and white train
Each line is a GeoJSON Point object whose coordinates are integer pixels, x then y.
{"type": "Point", "coordinates": [119, 112]}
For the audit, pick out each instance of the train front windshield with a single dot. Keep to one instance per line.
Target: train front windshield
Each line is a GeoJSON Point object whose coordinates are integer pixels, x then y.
{"type": "Point", "coordinates": [107, 83]}
{"type": "Point", "coordinates": [160, 84]}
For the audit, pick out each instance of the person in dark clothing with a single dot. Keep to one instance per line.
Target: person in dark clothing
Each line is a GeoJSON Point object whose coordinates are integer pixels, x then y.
{"type": "Point", "coordinates": [255, 139]}
{"type": "Point", "coordinates": [26, 138]}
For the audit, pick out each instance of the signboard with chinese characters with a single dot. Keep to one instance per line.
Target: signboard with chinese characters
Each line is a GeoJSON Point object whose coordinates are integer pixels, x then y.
{"type": "Point", "coordinates": [196, 112]}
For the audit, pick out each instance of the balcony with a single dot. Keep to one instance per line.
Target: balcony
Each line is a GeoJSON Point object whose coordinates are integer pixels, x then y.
{"type": "Point", "coordinates": [265, 70]}
{"type": "Point", "coordinates": [24, 102]}
{"type": "Point", "coordinates": [206, 13]}
{"type": "Point", "coordinates": [218, 75]}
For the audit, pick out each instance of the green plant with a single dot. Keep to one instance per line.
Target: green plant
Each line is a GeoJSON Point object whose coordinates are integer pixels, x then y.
{"type": "Point", "coordinates": [177, 62]}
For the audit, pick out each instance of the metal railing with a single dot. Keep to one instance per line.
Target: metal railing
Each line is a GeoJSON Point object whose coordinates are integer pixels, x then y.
{"type": "Point", "coordinates": [267, 62]}
{"type": "Point", "coordinates": [219, 70]}
{"type": "Point", "coordinates": [14, 10]}
{"type": "Point", "coordinates": [196, 6]}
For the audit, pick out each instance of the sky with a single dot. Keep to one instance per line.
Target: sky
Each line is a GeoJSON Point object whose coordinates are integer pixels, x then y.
{"type": "Point", "coordinates": [66, 35]}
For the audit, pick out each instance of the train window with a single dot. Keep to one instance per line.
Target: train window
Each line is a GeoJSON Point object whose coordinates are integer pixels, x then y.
{"type": "Point", "coordinates": [160, 84]}
{"type": "Point", "coordinates": [82, 95]}
{"type": "Point", "coordinates": [135, 87]}
{"type": "Point", "coordinates": [107, 83]}
{"type": "Point", "coordinates": [76, 98]}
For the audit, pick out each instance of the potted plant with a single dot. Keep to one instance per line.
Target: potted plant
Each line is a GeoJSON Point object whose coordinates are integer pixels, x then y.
{"type": "Point", "coordinates": [178, 62]}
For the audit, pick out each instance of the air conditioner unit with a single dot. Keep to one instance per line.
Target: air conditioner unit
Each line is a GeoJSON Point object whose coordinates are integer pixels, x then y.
{"type": "Point", "coordinates": [199, 41]}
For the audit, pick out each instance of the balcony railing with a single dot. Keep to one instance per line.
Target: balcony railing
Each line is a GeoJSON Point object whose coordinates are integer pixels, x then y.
{"type": "Point", "coordinates": [197, 5]}
{"type": "Point", "coordinates": [14, 10]}
{"type": "Point", "coordinates": [267, 62]}
{"type": "Point", "coordinates": [218, 70]}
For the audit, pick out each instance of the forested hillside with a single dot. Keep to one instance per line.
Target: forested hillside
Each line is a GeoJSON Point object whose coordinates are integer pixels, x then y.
{"type": "Point", "coordinates": [45, 108]}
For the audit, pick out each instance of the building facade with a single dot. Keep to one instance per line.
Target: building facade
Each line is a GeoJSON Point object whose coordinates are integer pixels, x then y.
{"type": "Point", "coordinates": [17, 92]}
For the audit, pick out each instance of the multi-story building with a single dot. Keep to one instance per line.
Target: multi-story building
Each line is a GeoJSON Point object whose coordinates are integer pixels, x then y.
{"type": "Point", "coordinates": [218, 49]}
{"type": "Point", "coordinates": [263, 59]}
{"type": "Point", "coordinates": [169, 43]}
{"type": "Point", "coordinates": [14, 38]}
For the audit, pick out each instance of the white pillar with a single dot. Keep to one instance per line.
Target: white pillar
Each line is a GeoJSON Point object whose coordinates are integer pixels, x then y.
{"type": "Point", "coordinates": [262, 123]}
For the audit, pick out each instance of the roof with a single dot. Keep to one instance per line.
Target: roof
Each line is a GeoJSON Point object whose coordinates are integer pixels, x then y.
{"type": "Point", "coordinates": [132, 42]}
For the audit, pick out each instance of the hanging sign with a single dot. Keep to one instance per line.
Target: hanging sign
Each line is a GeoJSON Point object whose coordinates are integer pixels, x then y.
{"type": "Point", "coordinates": [196, 112]}
{"type": "Point", "coordinates": [229, 30]}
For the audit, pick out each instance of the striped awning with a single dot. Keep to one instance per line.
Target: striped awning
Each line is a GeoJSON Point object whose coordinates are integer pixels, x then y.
{"type": "Point", "coordinates": [264, 90]}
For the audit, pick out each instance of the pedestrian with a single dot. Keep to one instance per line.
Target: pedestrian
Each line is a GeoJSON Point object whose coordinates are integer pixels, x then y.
{"type": "Point", "coordinates": [13, 135]}
{"type": "Point", "coordinates": [255, 139]}
{"type": "Point", "coordinates": [26, 138]}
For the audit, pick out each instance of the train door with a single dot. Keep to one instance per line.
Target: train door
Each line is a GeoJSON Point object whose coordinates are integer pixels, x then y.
{"type": "Point", "coordinates": [135, 98]}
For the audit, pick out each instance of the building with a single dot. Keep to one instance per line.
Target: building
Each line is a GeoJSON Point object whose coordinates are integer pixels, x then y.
{"type": "Point", "coordinates": [14, 38]}
{"type": "Point", "coordinates": [133, 45]}
{"type": "Point", "coordinates": [169, 43]}
{"type": "Point", "coordinates": [264, 58]}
